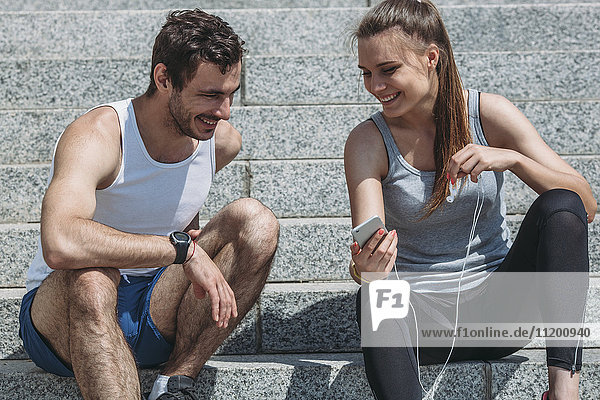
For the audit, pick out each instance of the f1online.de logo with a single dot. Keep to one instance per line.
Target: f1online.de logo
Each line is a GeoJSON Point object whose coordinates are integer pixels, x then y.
{"type": "Point", "coordinates": [389, 299]}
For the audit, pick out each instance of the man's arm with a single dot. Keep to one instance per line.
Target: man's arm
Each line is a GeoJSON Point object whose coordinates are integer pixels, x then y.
{"type": "Point", "coordinates": [87, 158]}
{"type": "Point", "coordinates": [228, 143]}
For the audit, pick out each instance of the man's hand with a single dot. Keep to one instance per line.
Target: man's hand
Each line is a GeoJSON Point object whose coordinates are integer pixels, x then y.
{"type": "Point", "coordinates": [194, 233]}
{"type": "Point", "coordinates": [206, 277]}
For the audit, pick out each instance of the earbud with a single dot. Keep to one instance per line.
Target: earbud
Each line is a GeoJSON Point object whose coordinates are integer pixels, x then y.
{"type": "Point", "coordinates": [453, 192]}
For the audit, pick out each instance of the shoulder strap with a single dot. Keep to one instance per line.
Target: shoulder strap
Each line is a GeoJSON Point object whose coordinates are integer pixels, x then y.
{"type": "Point", "coordinates": [386, 134]}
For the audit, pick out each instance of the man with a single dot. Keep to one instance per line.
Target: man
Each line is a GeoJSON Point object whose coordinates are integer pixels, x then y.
{"type": "Point", "coordinates": [127, 182]}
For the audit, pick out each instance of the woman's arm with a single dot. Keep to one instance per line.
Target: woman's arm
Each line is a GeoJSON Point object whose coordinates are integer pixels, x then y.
{"type": "Point", "coordinates": [515, 145]}
{"type": "Point", "coordinates": [365, 163]}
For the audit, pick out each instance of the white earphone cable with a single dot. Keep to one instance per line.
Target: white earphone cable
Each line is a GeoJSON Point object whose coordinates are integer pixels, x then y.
{"type": "Point", "coordinates": [476, 214]}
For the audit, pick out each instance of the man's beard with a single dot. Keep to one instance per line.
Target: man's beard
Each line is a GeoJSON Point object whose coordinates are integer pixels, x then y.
{"type": "Point", "coordinates": [180, 119]}
{"type": "Point", "coordinates": [183, 121]}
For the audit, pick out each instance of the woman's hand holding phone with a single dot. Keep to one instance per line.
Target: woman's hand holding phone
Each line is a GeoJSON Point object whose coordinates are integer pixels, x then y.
{"type": "Point", "coordinates": [378, 254]}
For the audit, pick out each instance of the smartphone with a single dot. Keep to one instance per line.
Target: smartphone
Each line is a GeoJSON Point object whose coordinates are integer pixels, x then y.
{"type": "Point", "coordinates": [363, 232]}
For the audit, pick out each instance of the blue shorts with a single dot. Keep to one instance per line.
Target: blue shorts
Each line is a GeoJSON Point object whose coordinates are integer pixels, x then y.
{"type": "Point", "coordinates": [133, 307]}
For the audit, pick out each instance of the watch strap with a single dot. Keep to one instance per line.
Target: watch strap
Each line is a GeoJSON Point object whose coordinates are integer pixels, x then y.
{"type": "Point", "coordinates": [181, 246]}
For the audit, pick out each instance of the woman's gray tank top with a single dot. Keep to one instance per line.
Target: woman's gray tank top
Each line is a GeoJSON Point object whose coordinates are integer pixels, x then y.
{"type": "Point", "coordinates": [435, 247]}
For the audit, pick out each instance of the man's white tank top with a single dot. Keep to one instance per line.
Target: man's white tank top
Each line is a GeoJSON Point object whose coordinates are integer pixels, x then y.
{"type": "Point", "coordinates": [147, 197]}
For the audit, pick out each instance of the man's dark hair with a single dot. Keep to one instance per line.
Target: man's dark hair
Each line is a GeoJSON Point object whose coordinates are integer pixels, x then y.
{"type": "Point", "coordinates": [190, 37]}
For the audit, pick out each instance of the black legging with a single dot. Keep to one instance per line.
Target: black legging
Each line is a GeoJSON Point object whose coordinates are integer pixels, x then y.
{"type": "Point", "coordinates": [552, 238]}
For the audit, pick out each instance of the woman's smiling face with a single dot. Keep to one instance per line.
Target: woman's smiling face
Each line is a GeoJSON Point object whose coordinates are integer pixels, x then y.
{"type": "Point", "coordinates": [397, 76]}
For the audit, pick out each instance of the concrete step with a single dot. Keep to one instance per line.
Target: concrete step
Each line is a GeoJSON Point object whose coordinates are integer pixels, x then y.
{"type": "Point", "coordinates": [307, 317]}
{"type": "Point", "coordinates": [23, 187]}
{"type": "Point", "coordinates": [310, 249]}
{"type": "Point", "coordinates": [291, 188]}
{"type": "Point", "coordinates": [299, 132]}
{"type": "Point", "coordinates": [69, 5]}
{"type": "Point", "coordinates": [38, 5]}
{"type": "Point", "coordinates": [125, 34]}
{"type": "Point", "coordinates": [323, 377]}
{"type": "Point", "coordinates": [290, 317]}
{"type": "Point", "coordinates": [515, 2]}
{"type": "Point", "coordinates": [316, 188]}
{"type": "Point", "coordinates": [296, 80]}
{"type": "Point", "coordinates": [524, 376]}
{"type": "Point", "coordinates": [324, 79]}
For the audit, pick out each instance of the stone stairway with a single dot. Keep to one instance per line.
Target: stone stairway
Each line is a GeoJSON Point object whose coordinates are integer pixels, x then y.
{"type": "Point", "coordinates": [301, 94]}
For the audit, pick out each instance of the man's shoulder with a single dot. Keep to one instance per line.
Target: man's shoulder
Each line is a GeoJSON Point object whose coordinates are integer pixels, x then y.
{"type": "Point", "coordinates": [95, 136]}
{"type": "Point", "coordinates": [228, 143]}
{"type": "Point", "coordinates": [98, 124]}
{"type": "Point", "coordinates": [103, 117]}
{"type": "Point", "coordinates": [226, 135]}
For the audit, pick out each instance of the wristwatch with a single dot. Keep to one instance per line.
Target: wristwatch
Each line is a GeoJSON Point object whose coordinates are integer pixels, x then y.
{"type": "Point", "coordinates": [181, 241]}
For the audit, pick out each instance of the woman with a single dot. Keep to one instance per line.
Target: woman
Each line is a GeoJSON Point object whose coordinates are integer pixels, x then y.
{"type": "Point", "coordinates": [431, 135]}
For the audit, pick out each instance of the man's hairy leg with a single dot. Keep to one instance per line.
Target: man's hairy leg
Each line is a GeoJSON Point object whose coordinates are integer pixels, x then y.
{"type": "Point", "coordinates": [241, 239]}
{"type": "Point", "coordinates": [75, 311]}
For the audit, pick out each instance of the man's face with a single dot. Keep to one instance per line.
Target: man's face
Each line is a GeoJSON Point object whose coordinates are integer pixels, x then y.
{"type": "Point", "coordinates": [206, 99]}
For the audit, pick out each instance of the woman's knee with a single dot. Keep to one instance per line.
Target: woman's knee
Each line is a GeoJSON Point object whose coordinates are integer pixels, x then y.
{"type": "Point", "coordinates": [564, 219]}
{"type": "Point", "coordinates": [560, 200]}
{"type": "Point", "coordinates": [561, 222]}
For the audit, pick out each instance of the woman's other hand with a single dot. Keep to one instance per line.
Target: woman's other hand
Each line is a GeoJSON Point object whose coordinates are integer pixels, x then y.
{"type": "Point", "coordinates": [473, 159]}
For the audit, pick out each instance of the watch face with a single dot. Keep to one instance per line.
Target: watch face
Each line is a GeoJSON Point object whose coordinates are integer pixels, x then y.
{"type": "Point", "coordinates": [180, 236]}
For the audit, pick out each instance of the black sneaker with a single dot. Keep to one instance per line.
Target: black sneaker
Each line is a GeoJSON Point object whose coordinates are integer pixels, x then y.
{"type": "Point", "coordinates": [179, 387]}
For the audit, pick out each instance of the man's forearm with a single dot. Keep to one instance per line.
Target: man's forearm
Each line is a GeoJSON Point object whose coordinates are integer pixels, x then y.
{"type": "Point", "coordinates": [82, 243]}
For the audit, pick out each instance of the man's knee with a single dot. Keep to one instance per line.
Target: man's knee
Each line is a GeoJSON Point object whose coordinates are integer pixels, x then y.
{"type": "Point", "coordinates": [255, 219]}
{"type": "Point", "coordinates": [92, 290]}
{"type": "Point", "coordinates": [255, 231]}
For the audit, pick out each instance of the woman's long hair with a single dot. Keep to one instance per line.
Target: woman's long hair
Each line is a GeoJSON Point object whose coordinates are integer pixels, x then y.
{"type": "Point", "coordinates": [418, 24]}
